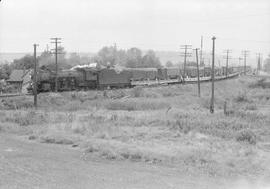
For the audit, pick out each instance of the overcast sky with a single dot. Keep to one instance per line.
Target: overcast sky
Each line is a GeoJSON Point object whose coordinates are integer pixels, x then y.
{"type": "Point", "coordinates": [87, 25]}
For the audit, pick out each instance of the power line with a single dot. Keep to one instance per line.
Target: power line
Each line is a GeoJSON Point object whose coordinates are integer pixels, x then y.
{"type": "Point", "coordinates": [244, 40]}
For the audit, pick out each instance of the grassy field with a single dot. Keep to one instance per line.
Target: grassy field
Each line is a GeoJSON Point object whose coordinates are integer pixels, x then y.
{"type": "Point", "coordinates": [167, 125]}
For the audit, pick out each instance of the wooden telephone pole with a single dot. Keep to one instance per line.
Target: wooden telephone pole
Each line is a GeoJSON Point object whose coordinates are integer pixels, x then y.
{"type": "Point", "coordinates": [35, 75]}
{"type": "Point", "coordinates": [227, 61]}
{"type": "Point", "coordinates": [245, 54]}
{"type": "Point", "coordinates": [185, 55]}
{"type": "Point", "coordinates": [201, 53]}
{"type": "Point", "coordinates": [56, 41]}
{"type": "Point", "coordinates": [198, 73]}
{"type": "Point", "coordinates": [213, 76]}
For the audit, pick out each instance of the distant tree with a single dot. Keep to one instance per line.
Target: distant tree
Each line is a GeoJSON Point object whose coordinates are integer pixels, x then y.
{"type": "Point", "coordinates": [266, 65]}
{"type": "Point", "coordinates": [26, 62]}
{"type": "Point", "coordinates": [74, 59]}
{"type": "Point", "coordinates": [169, 64]}
{"type": "Point", "coordinates": [85, 60]}
{"type": "Point", "coordinates": [121, 58]}
{"type": "Point", "coordinates": [96, 59]}
{"type": "Point", "coordinates": [107, 55]}
{"type": "Point", "coordinates": [150, 60]}
{"type": "Point", "coordinates": [134, 58]}
{"type": "Point", "coordinates": [47, 60]}
{"type": "Point", "coordinates": [5, 71]}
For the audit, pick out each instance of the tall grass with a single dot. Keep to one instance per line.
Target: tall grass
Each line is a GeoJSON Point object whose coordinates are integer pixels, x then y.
{"type": "Point", "coordinates": [162, 124]}
{"type": "Point", "coordinates": [134, 105]}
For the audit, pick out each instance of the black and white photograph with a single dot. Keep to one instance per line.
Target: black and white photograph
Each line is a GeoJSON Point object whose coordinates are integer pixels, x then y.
{"type": "Point", "coordinates": [135, 94]}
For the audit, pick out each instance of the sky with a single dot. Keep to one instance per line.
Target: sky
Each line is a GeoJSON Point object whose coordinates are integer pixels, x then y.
{"type": "Point", "coordinates": [163, 25]}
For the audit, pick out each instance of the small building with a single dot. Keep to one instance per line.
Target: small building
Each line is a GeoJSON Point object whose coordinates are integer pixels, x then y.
{"type": "Point", "coordinates": [19, 80]}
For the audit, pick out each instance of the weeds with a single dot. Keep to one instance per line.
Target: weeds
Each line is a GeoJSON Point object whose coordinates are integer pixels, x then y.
{"type": "Point", "coordinates": [137, 92]}
{"type": "Point", "coordinates": [241, 97]}
{"type": "Point", "coordinates": [262, 83]}
{"type": "Point", "coordinates": [246, 136]}
{"type": "Point", "coordinates": [132, 105]}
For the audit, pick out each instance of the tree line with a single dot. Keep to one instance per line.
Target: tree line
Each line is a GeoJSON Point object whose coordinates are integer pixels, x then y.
{"type": "Point", "coordinates": [107, 56]}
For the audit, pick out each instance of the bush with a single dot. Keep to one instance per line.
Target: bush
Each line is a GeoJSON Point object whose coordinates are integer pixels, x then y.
{"type": "Point", "coordinates": [246, 136]}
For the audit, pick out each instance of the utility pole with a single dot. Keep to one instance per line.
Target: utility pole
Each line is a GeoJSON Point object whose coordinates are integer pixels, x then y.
{"type": "Point", "coordinates": [198, 73]}
{"type": "Point", "coordinates": [213, 76]}
{"type": "Point", "coordinates": [201, 53]}
{"type": "Point", "coordinates": [56, 41]}
{"type": "Point", "coordinates": [228, 51]}
{"type": "Point", "coordinates": [35, 75]}
{"type": "Point", "coordinates": [185, 55]}
{"type": "Point", "coordinates": [245, 54]}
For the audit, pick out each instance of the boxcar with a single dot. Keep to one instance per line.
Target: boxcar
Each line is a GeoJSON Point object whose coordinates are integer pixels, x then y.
{"type": "Point", "coordinates": [162, 73]}
{"type": "Point", "coordinates": [140, 74]}
{"type": "Point", "coordinates": [173, 73]}
{"type": "Point", "coordinates": [110, 78]}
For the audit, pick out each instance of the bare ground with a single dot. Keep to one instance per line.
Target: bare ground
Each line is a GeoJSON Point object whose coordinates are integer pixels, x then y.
{"type": "Point", "coordinates": [26, 164]}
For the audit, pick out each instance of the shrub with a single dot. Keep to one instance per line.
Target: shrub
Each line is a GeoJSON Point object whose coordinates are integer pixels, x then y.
{"type": "Point", "coordinates": [246, 136]}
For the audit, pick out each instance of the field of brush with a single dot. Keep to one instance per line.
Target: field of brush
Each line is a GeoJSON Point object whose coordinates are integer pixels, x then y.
{"type": "Point", "coordinates": [167, 125]}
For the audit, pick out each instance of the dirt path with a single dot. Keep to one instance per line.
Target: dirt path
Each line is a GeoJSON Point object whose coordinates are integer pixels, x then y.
{"type": "Point", "coordinates": [28, 164]}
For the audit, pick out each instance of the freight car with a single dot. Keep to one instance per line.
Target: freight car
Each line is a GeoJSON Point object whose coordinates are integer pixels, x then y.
{"type": "Point", "coordinates": [141, 74]}
{"type": "Point", "coordinates": [173, 73]}
{"type": "Point", "coordinates": [110, 78]}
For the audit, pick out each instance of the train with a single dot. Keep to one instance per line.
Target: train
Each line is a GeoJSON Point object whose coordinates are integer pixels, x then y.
{"type": "Point", "coordinates": [89, 77]}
